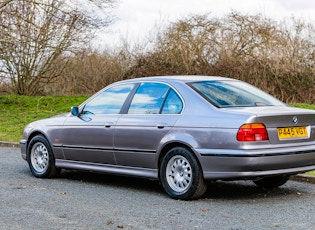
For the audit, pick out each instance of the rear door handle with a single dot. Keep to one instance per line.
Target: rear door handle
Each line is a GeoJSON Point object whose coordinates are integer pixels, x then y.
{"type": "Point", "coordinates": [161, 125]}
{"type": "Point", "coordinates": [109, 124]}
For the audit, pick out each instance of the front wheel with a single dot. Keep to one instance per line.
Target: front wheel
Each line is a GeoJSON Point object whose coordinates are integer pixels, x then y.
{"type": "Point", "coordinates": [272, 182]}
{"type": "Point", "coordinates": [181, 175]}
{"type": "Point", "coordinates": [40, 158]}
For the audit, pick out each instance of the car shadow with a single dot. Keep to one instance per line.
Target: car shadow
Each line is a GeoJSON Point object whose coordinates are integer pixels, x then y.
{"type": "Point", "coordinates": [240, 190]}
{"type": "Point", "coordinates": [132, 183]}
{"type": "Point", "coordinates": [245, 190]}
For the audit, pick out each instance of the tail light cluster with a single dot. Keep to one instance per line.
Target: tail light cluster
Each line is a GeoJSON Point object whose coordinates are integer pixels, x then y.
{"type": "Point", "coordinates": [252, 132]}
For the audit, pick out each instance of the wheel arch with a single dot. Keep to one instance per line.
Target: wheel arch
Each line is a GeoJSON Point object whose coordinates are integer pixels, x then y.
{"type": "Point", "coordinates": [34, 134]}
{"type": "Point", "coordinates": [164, 150]}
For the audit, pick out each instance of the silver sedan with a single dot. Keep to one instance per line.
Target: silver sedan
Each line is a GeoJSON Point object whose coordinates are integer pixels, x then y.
{"type": "Point", "coordinates": [180, 130]}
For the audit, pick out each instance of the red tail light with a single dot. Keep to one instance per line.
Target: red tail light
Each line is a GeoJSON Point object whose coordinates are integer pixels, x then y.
{"type": "Point", "coordinates": [252, 132]}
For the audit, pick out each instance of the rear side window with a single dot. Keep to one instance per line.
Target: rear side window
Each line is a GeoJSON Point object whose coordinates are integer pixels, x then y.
{"type": "Point", "coordinates": [173, 104]}
{"type": "Point", "coordinates": [155, 98]}
{"type": "Point", "coordinates": [233, 94]}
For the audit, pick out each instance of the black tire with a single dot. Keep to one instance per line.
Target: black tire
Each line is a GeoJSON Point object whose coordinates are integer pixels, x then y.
{"type": "Point", "coordinates": [181, 175]}
{"type": "Point", "coordinates": [40, 158]}
{"type": "Point", "coordinates": [272, 182]}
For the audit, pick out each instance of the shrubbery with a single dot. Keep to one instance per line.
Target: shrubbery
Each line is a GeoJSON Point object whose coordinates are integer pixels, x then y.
{"type": "Point", "coordinates": [277, 57]}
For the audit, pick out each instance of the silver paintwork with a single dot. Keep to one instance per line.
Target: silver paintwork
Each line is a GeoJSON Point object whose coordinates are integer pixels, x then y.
{"type": "Point", "coordinates": [132, 144]}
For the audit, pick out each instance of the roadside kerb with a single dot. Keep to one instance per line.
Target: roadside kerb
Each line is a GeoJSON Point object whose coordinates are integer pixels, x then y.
{"type": "Point", "coordinates": [303, 178]}
{"type": "Point", "coordinates": [299, 177]}
{"type": "Point", "coordinates": [9, 144]}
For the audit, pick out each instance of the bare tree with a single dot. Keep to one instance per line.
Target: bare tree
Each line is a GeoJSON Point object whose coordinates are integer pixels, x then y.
{"type": "Point", "coordinates": [4, 3]}
{"type": "Point", "coordinates": [89, 71]}
{"type": "Point", "coordinates": [278, 57]}
{"type": "Point", "coordinates": [35, 35]}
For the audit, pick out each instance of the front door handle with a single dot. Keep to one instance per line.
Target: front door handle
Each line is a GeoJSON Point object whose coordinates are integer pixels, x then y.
{"type": "Point", "coordinates": [161, 125]}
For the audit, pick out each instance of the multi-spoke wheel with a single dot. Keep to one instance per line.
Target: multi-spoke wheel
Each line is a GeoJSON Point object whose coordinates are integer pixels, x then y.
{"type": "Point", "coordinates": [40, 158]}
{"type": "Point", "coordinates": [178, 171]}
{"type": "Point", "coordinates": [181, 175]}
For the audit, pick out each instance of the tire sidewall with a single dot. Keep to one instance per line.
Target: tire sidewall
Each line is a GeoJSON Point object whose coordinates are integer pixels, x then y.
{"type": "Point", "coordinates": [196, 173]}
{"type": "Point", "coordinates": [51, 161]}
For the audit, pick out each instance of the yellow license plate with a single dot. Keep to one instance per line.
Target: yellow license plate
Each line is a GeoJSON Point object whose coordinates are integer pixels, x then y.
{"type": "Point", "coordinates": [292, 132]}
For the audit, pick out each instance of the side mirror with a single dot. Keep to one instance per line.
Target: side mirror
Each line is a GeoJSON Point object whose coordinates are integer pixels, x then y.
{"type": "Point", "coordinates": [75, 111]}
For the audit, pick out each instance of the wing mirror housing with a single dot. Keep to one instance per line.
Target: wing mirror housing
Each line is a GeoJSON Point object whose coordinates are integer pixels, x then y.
{"type": "Point", "coordinates": [75, 111]}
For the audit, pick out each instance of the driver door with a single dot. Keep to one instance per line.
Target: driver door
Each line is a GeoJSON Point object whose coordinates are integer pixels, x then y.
{"type": "Point", "coordinates": [88, 137]}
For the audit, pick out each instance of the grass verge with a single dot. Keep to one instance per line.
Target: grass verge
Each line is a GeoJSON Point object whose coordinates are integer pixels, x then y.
{"type": "Point", "coordinates": [311, 173]}
{"type": "Point", "coordinates": [17, 111]}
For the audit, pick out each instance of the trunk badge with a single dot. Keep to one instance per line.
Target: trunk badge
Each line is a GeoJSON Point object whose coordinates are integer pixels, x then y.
{"type": "Point", "coordinates": [295, 120]}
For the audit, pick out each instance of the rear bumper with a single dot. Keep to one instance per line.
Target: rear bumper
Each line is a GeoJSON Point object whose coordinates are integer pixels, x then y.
{"type": "Point", "coordinates": [251, 164]}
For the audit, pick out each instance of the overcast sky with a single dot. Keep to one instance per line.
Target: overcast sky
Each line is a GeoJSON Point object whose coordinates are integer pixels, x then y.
{"type": "Point", "coordinates": [135, 19]}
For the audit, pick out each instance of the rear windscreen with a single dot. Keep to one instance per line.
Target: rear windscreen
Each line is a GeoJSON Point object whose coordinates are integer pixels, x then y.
{"type": "Point", "coordinates": [233, 94]}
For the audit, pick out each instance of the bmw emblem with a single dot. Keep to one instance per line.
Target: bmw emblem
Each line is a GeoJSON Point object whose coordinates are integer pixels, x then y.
{"type": "Point", "coordinates": [295, 120]}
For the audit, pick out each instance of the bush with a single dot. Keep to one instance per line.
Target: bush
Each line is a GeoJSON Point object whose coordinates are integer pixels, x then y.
{"type": "Point", "coordinates": [277, 57]}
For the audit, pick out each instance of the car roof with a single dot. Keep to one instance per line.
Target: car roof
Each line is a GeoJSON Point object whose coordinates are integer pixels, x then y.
{"type": "Point", "coordinates": [182, 78]}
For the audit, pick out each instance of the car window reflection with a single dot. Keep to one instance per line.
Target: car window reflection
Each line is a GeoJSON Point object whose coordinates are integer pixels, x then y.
{"type": "Point", "coordinates": [155, 98]}
{"type": "Point", "coordinates": [110, 101]}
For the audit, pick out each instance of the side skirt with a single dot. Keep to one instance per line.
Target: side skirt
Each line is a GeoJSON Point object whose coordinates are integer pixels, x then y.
{"type": "Point", "coordinates": [110, 169]}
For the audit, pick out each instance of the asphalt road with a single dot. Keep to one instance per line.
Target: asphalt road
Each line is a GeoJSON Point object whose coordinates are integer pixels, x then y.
{"type": "Point", "coordinates": [78, 200]}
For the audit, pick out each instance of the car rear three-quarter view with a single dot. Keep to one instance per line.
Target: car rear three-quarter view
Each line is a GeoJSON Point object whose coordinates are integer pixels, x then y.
{"type": "Point", "coordinates": [181, 130]}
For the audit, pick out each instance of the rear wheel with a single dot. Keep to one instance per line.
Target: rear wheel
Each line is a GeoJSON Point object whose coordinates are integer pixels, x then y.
{"type": "Point", "coordinates": [40, 158]}
{"type": "Point", "coordinates": [272, 182]}
{"type": "Point", "coordinates": [181, 175]}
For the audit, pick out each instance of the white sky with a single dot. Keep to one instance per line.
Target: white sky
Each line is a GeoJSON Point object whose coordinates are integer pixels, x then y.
{"type": "Point", "coordinates": [137, 19]}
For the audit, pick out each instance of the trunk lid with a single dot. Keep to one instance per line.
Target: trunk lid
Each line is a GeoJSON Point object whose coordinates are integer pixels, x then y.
{"type": "Point", "coordinates": [284, 124]}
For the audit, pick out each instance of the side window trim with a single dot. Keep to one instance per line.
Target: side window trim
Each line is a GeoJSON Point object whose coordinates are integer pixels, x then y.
{"type": "Point", "coordinates": [125, 107]}
{"type": "Point", "coordinates": [165, 98]}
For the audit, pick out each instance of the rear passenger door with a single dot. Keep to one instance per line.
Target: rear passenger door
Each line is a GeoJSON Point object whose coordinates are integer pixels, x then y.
{"type": "Point", "coordinates": [153, 111]}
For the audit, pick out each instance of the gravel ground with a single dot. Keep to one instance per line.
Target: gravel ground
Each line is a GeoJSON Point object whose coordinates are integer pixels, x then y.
{"type": "Point", "coordinates": [78, 200]}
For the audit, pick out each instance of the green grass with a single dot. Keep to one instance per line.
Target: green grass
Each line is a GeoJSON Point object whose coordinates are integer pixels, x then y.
{"type": "Point", "coordinates": [303, 105]}
{"type": "Point", "coordinates": [311, 173]}
{"type": "Point", "coordinates": [17, 111]}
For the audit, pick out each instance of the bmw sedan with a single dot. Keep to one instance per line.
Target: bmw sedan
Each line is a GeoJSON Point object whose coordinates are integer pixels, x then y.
{"type": "Point", "coordinates": [181, 130]}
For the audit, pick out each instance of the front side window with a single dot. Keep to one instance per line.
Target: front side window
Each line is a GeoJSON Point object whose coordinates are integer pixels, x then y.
{"type": "Point", "coordinates": [233, 94]}
{"type": "Point", "coordinates": [110, 101]}
{"type": "Point", "coordinates": [155, 98]}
